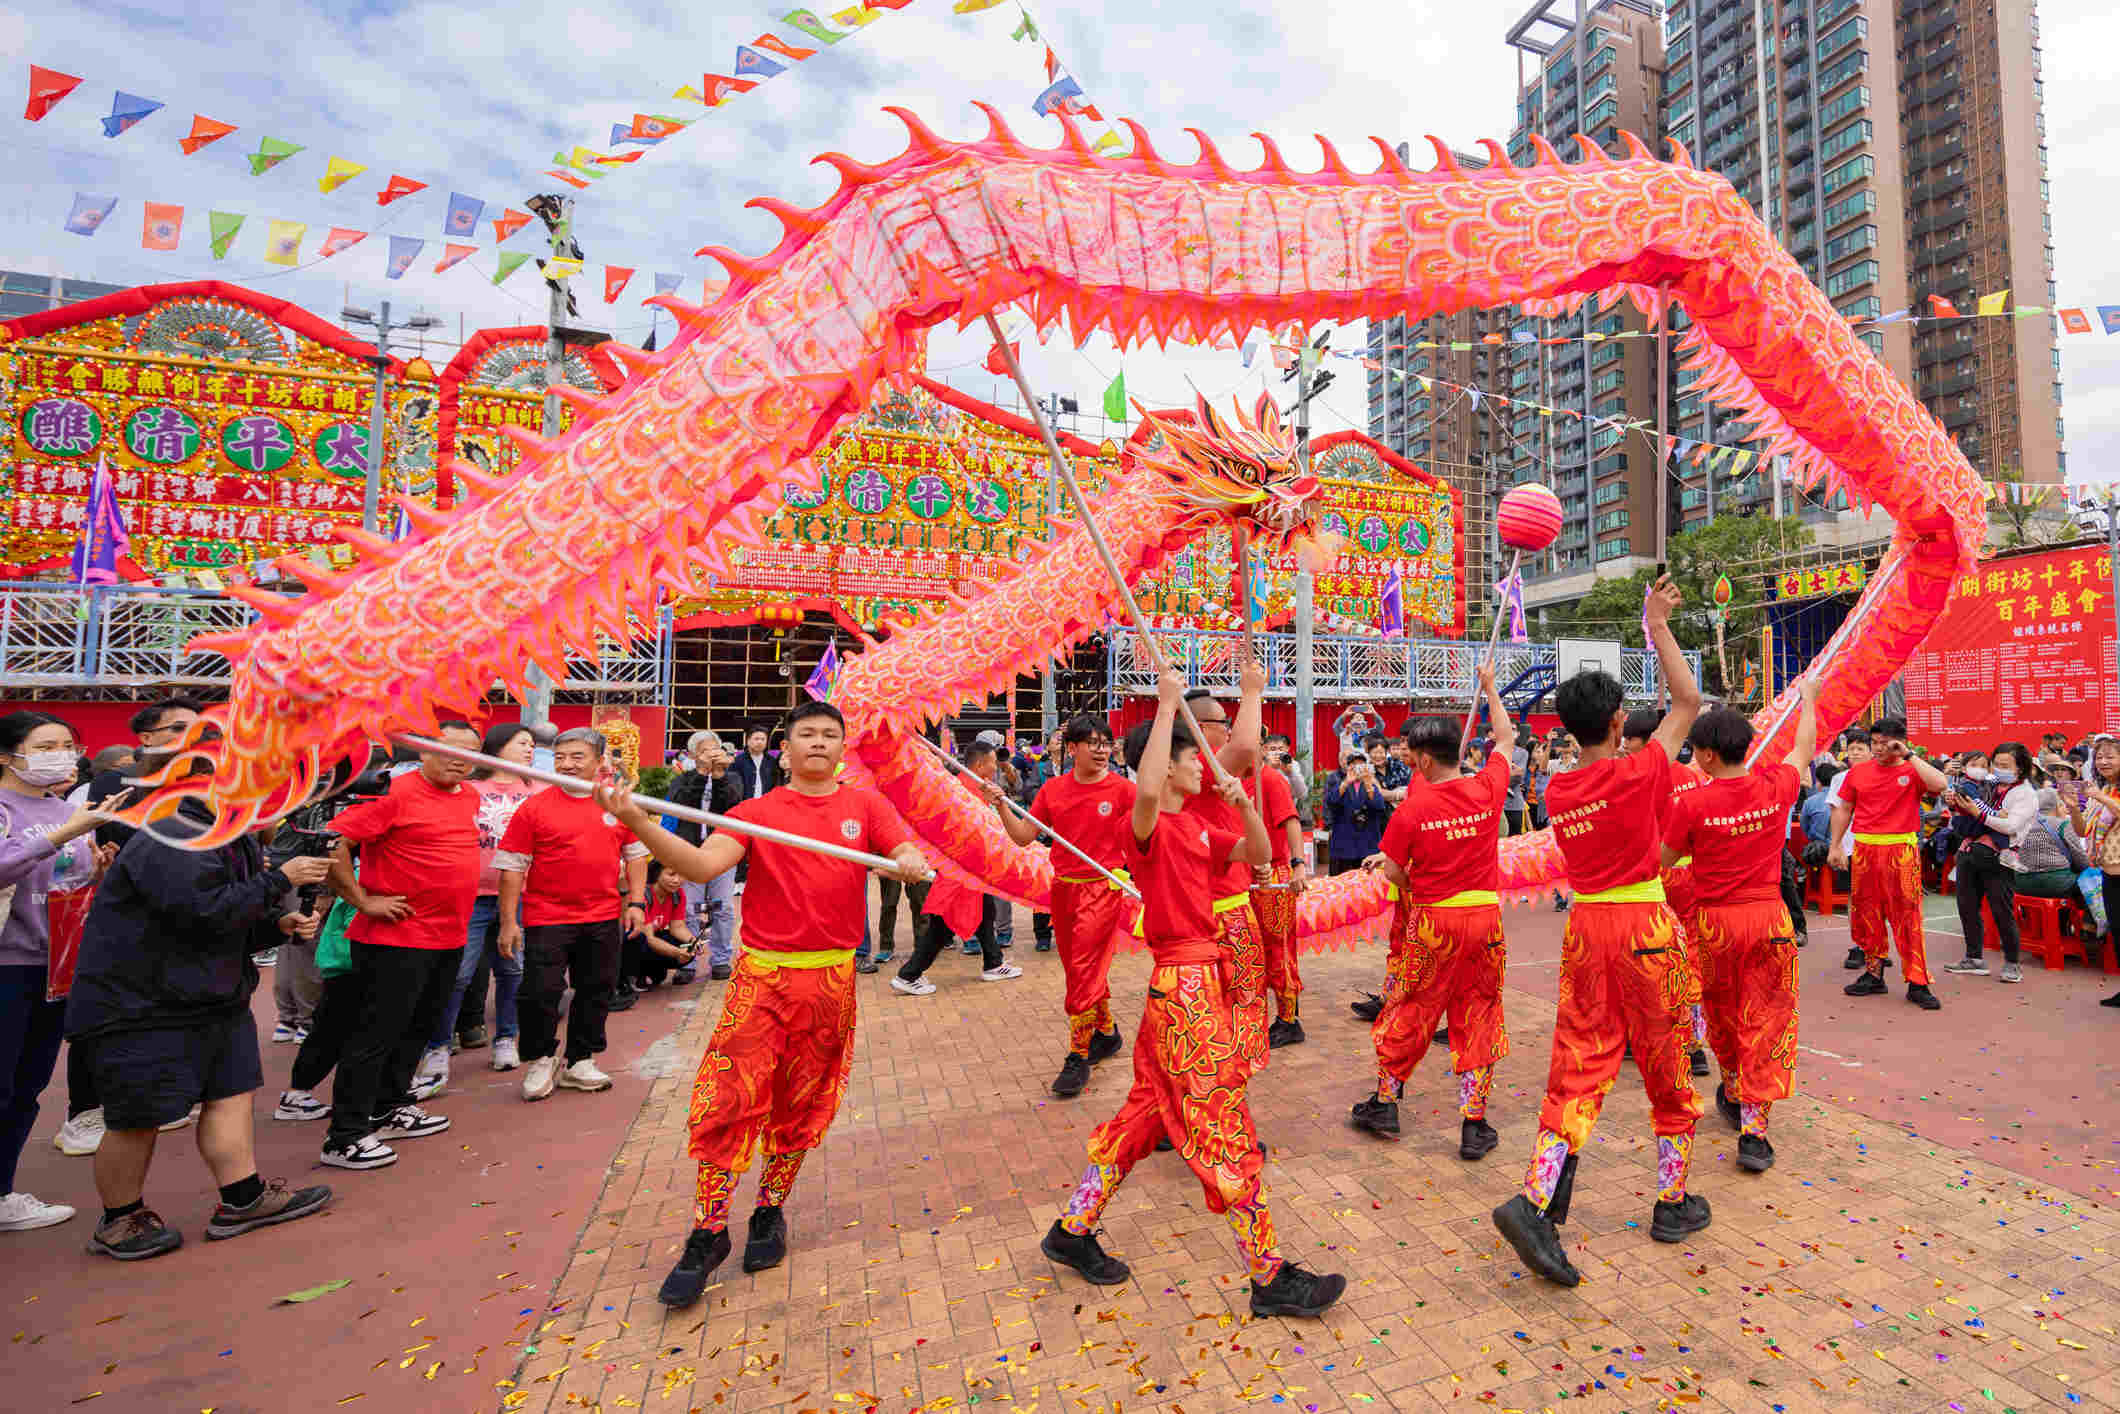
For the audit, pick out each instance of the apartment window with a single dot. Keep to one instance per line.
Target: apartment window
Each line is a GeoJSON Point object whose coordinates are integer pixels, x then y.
{"type": "Point", "coordinates": [1841, 247]}
{"type": "Point", "coordinates": [1610, 492]}
{"type": "Point", "coordinates": [1833, 10]}
{"type": "Point", "coordinates": [1683, 134]}
{"type": "Point", "coordinates": [1855, 169]}
{"type": "Point", "coordinates": [1606, 382]}
{"type": "Point", "coordinates": [1604, 112]}
{"type": "Point", "coordinates": [1852, 136]}
{"type": "Point", "coordinates": [1856, 311]}
{"type": "Point", "coordinates": [1613, 549]}
{"type": "Point", "coordinates": [1606, 353]}
{"type": "Point", "coordinates": [1855, 100]}
{"type": "Point", "coordinates": [1862, 203]}
{"type": "Point", "coordinates": [1612, 520]}
{"type": "Point", "coordinates": [1833, 41]}
{"type": "Point", "coordinates": [1692, 498]}
{"type": "Point", "coordinates": [1834, 76]}
{"type": "Point", "coordinates": [1875, 340]}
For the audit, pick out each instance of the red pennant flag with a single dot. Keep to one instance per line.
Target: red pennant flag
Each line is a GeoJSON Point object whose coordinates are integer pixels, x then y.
{"type": "Point", "coordinates": [339, 239]}
{"type": "Point", "coordinates": [399, 186]}
{"type": "Point", "coordinates": [615, 278]}
{"type": "Point", "coordinates": [203, 131]}
{"type": "Point", "coordinates": [613, 159]}
{"type": "Point", "coordinates": [2075, 321]}
{"type": "Point", "coordinates": [508, 225]}
{"type": "Point", "coordinates": [161, 226]}
{"type": "Point", "coordinates": [714, 89]}
{"type": "Point", "coordinates": [650, 125]}
{"type": "Point", "coordinates": [451, 254]}
{"type": "Point", "coordinates": [996, 364]}
{"type": "Point", "coordinates": [46, 87]}
{"type": "Point", "coordinates": [1943, 307]}
{"type": "Point", "coordinates": [569, 180]}
{"type": "Point", "coordinates": [780, 46]}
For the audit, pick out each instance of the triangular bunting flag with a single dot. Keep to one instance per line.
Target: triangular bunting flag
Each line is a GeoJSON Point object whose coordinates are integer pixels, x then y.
{"type": "Point", "coordinates": [126, 109]}
{"type": "Point", "coordinates": [161, 226]}
{"type": "Point", "coordinates": [203, 131]}
{"type": "Point", "coordinates": [46, 87]}
{"type": "Point", "coordinates": [654, 127]}
{"type": "Point", "coordinates": [508, 225]}
{"type": "Point", "coordinates": [1025, 30]}
{"type": "Point", "coordinates": [615, 279]}
{"type": "Point", "coordinates": [1943, 308]}
{"type": "Point", "coordinates": [570, 179]}
{"type": "Point", "coordinates": [224, 225]}
{"type": "Point", "coordinates": [510, 262]}
{"type": "Point", "coordinates": [560, 267]}
{"type": "Point", "coordinates": [780, 46]}
{"type": "Point", "coordinates": [403, 251]}
{"type": "Point", "coordinates": [339, 239]}
{"type": "Point", "coordinates": [283, 242]}
{"type": "Point", "coordinates": [617, 159]}
{"type": "Point", "coordinates": [89, 212]}
{"type": "Point", "coordinates": [397, 187]}
{"type": "Point", "coordinates": [750, 61]}
{"type": "Point", "coordinates": [1115, 397]}
{"type": "Point", "coordinates": [2075, 321]}
{"type": "Point", "coordinates": [451, 254]}
{"type": "Point", "coordinates": [1992, 304]}
{"type": "Point", "coordinates": [717, 89]}
{"type": "Point", "coordinates": [337, 172]}
{"type": "Point", "coordinates": [271, 153]}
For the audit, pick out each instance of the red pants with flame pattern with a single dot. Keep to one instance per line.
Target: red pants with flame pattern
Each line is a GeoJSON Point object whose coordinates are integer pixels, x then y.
{"type": "Point", "coordinates": [1680, 898]}
{"type": "Point", "coordinates": [1275, 908]}
{"type": "Point", "coordinates": [1089, 919]}
{"type": "Point", "coordinates": [1446, 961]}
{"type": "Point", "coordinates": [1746, 955]}
{"type": "Point", "coordinates": [1238, 930]}
{"type": "Point", "coordinates": [776, 1067]}
{"type": "Point", "coordinates": [1624, 978]}
{"type": "Point", "coordinates": [1884, 890]}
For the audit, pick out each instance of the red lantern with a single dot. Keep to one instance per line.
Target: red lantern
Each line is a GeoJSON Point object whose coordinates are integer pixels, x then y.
{"type": "Point", "coordinates": [1530, 517]}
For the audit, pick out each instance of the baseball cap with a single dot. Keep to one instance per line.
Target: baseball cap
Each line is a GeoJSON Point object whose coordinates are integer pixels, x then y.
{"type": "Point", "coordinates": [992, 738]}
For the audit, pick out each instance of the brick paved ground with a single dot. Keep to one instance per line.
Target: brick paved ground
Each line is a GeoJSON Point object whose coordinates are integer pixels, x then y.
{"type": "Point", "coordinates": [1875, 1268]}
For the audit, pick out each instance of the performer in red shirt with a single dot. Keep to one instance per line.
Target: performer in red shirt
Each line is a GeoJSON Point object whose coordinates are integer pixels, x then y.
{"type": "Point", "coordinates": [1273, 899]}
{"type": "Point", "coordinates": [1235, 924]}
{"type": "Point", "coordinates": [1677, 878]}
{"type": "Point", "coordinates": [1442, 850]}
{"type": "Point", "coordinates": [1881, 801]}
{"type": "Point", "coordinates": [1743, 942]}
{"type": "Point", "coordinates": [1089, 806]}
{"type": "Point", "coordinates": [1189, 1066]}
{"type": "Point", "coordinates": [776, 1066]}
{"type": "Point", "coordinates": [1623, 977]}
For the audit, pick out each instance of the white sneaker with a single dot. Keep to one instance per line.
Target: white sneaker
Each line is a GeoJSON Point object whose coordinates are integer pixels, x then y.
{"type": "Point", "coordinates": [412, 1122]}
{"type": "Point", "coordinates": [19, 1212]}
{"type": "Point", "coordinates": [434, 1065]}
{"type": "Point", "coordinates": [182, 1123]}
{"type": "Point", "coordinates": [583, 1075]}
{"type": "Point", "coordinates": [918, 987]}
{"type": "Point", "coordinates": [82, 1134]}
{"type": "Point", "coordinates": [366, 1152]}
{"type": "Point", "coordinates": [299, 1105]}
{"type": "Point", "coordinates": [428, 1088]}
{"type": "Point", "coordinates": [2011, 972]}
{"type": "Point", "coordinates": [1002, 973]}
{"type": "Point", "coordinates": [506, 1056]}
{"type": "Point", "coordinates": [283, 1034]}
{"type": "Point", "coordinates": [538, 1078]}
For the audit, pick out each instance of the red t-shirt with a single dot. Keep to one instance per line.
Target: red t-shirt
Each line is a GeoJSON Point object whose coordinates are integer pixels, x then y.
{"type": "Point", "coordinates": [1883, 800]}
{"type": "Point", "coordinates": [571, 851]}
{"type": "Point", "coordinates": [1277, 809]}
{"type": "Point", "coordinates": [1604, 817]}
{"type": "Point", "coordinates": [1734, 827]}
{"type": "Point", "coordinates": [1174, 871]}
{"type": "Point", "coordinates": [419, 842]}
{"type": "Point", "coordinates": [664, 909]}
{"type": "Point", "coordinates": [1093, 817]}
{"type": "Point", "coordinates": [797, 901]}
{"type": "Point", "coordinates": [1685, 776]}
{"type": "Point", "coordinates": [1448, 837]}
{"type": "Point", "coordinates": [1217, 814]}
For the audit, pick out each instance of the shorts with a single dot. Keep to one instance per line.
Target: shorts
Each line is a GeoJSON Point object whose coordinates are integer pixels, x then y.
{"type": "Point", "coordinates": [147, 1079]}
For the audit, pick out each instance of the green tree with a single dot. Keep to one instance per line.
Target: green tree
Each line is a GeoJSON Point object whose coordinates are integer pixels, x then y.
{"type": "Point", "coordinates": [2041, 519]}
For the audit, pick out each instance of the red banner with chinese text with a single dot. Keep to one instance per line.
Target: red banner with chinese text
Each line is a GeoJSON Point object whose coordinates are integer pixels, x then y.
{"type": "Point", "coordinates": [2025, 647]}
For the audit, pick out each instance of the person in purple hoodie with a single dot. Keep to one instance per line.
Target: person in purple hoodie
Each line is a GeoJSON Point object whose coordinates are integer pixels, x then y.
{"type": "Point", "coordinates": [44, 843]}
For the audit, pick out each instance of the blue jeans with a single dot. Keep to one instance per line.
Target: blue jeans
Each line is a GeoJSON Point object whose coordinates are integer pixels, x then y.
{"type": "Point", "coordinates": [711, 910]}
{"type": "Point", "coordinates": [30, 1031]}
{"type": "Point", "coordinates": [480, 939]}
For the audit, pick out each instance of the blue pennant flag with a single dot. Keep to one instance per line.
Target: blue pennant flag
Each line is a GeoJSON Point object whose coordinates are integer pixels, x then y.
{"type": "Point", "coordinates": [2110, 315]}
{"type": "Point", "coordinates": [819, 683]}
{"type": "Point", "coordinates": [751, 63]}
{"type": "Point", "coordinates": [127, 109]}
{"type": "Point", "coordinates": [462, 219]}
{"type": "Point", "coordinates": [403, 251]}
{"type": "Point", "coordinates": [88, 213]}
{"type": "Point", "coordinates": [1063, 91]}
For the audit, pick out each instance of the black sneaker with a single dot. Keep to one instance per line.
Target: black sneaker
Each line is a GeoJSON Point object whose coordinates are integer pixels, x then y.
{"type": "Point", "coordinates": [138, 1235]}
{"type": "Point", "coordinates": [1919, 994]}
{"type": "Point", "coordinates": [1378, 1117]}
{"type": "Point", "coordinates": [1368, 1009]}
{"type": "Point", "coordinates": [1043, 945]}
{"type": "Point", "coordinates": [1675, 1222]}
{"type": "Point", "coordinates": [623, 998]}
{"type": "Point", "coordinates": [703, 1252]}
{"type": "Point", "coordinates": [767, 1242]}
{"type": "Point", "coordinates": [1164, 1146]}
{"type": "Point", "coordinates": [864, 964]}
{"type": "Point", "coordinates": [2113, 1000]}
{"type": "Point", "coordinates": [1074, 1074]}
{"type": "Point", "coordinates": [366, 1152]}
{"type": "Point", "coordinates": [719, 972]}
{"type": "Point", "coordinates": [1085, 1254]}
{"type": "Point", "coordinates": [1442, 1035]}
{"type": "Point", "coordinates": [1729, 1108]}
{"type": "Point", "coordinates": [1856, 958]}
{"type": "Point", "coordinates": [1284, 1032]}
{"type": "Point", "coordinates": [1754, 1153]}
{"type": "Point", "coordinates": [1699, 1060]}
{"type": "Point", "coordinates": [1295, 1292]}
{"type": "Point", "coordinates": [1869, 984]}
{"type": "Point", "coordinates": [1476, 1140]}
{"type": "Point", "coordinates": [1563, 1193]}
{"type": "Point", "coordinates": [1536, 1240]}
{"type": "Point", "coordinates": [471, 1037]}
{"type": "Point", "coordinates": [277, 1204]}
{"type": "Point", "coordinates": [1104, 1045]}
{"type": "Point", "coordinates": [1803, 938]}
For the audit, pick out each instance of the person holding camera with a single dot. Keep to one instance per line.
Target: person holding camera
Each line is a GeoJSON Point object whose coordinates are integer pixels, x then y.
{"type": "Point", "coordinates": [1355, 813]}
{"type": "Point", "coordinates": [712, 784]}
{"type": "Point", "coordinates": [2000, 802]}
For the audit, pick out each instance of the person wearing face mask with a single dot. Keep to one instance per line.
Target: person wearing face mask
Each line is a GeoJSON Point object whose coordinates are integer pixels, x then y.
{"type": "Point", "coordinates": [36, 827]}
{"type": "Point", "coordinates": [1987, 861]}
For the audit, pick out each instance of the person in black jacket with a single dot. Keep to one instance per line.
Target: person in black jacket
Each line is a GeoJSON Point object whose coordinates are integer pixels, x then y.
{"type": "Point", "coordinates": [711, 784]}
{"type": "Point", "coordinates": [161, 1008]}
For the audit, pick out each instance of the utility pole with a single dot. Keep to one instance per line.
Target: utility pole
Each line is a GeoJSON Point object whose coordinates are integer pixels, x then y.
{"type": "Point", "coordinates": [557, 212]}
{"type": "Point", "coordinates": [1048, 692]}
{"type": "Point", "coordinates": [371, 494]}
{"type": "Point", "coordinates": [1306, 678]}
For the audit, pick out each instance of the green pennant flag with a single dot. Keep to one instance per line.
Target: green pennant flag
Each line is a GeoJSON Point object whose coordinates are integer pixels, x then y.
{"type": "Point", "coordinates": [1115, 398]}
{"type": "Point", "coordinates": [511, 261]}
{"type": "Point", "coordinates": [1026, 30]}
{"type": "Point", "coordinates": [270, 154]}
{"type": "Point", "coordinates": [225, 224]}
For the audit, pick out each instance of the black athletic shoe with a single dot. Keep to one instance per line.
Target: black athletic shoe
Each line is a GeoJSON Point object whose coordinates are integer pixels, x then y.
{"type": "Point", "coordinates": [1754, 1153]}
{"type": "Point", "coordinates": [1104, 1045]}
{"type": "Point", "coordinates": [136, 1237]}
{"type": "Point", "coordinates": [1442, 1035]}
{"type": "Point", "coordinates": [2113, 1000]}
{"type": "Point", "coordinates": [1284, 1033]}
{"type": "Point", "coordinates": [1919, 994]}
{"type": "Point", "coordinates": [1476, 1139]}
{"type": "Point", "coordinates": [1803, 938]}
{"type": "Point", "coordinates": [1675, 1222]}
{"type": "Point", "coordinates": [1728, 1108]}
{"type": "Point", "coordinates": [1856, 958]}
{"type": "Point", "coordinates": [719, 972]}
{"type": "Point", "coordinates": [1164, 1146]}
{"type": "Point", "coordinates": [703, 1252]}
{"type": "Point", "coordinates": [1536, 1240]}
{"type": "Point", "coordinates": [864, 964]}
{"type": "Point", "coordinates": [1295, 1292]}
{"type": "Point", "coordinates": [1368, 1009]}
{"type": "Point", "coordinates": [767, 1241]}
{"type": "Point", "coordinates": [1869, 984]}
{"type": "Point", "coordinates": [623, 999]}
{"type": "Point", "coordinates": [1379, 1117]}
{"type": "Point", "coordinates": [1699, 1061]}
{"type": "Point", "coordinates": [1074, 1074]}
{"type": "Point", "coordinates": [1085, 1254]}
{"type": "Point", "coordinates": [277, 1204]}
{"type": "Point", "coordinates": [1563, 1193]}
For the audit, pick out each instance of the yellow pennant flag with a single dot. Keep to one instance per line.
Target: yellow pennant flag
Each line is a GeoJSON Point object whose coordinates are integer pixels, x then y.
{"type": "Point", "coordinates": [1109, 140]}
{"type": "Point", "coordinates": [337, 172]}
{"type": "Point", "coordinates": [283, 242]}
{"type": "Point", "coordinates": [1992, 304]}
{"type": "Point", "coordinates": [973, 7]}
{"type": "Point", "coordinates": [561, 268]}
{"type": "Point", "coordinates": [583, 158]}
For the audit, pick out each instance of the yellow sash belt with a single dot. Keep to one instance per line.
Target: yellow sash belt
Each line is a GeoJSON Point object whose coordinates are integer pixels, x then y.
{"type": "Point", "coordinates": [1908, 838]}
{"type": "Point", "coordinates": [1647, 891]}
{"type": "Point", "coordinates": [830, 957]}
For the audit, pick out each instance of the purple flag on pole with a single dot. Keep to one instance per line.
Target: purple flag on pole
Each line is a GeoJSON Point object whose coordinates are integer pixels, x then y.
{"type": "Point", "coordinates": [1391, 605]}
{"type": "Point", "coordinates": [819, 683]}
{"type": "Point", "coordinates": [103, 535]}
{"type": "Point", "coordinates": [1512, 591]}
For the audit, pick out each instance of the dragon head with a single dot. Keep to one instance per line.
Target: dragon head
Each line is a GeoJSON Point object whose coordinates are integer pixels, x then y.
{"type": "Point", "coordinates": [1238, 466]}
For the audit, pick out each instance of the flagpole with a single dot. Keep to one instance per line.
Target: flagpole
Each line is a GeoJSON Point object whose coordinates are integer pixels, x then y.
{"type": "Point", "coordinates": [1494, 639]}
{"type": "Point", "coordinates": [1057, 838]}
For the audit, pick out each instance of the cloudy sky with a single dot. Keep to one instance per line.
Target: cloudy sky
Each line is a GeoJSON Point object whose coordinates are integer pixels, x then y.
{"type": "Point", "coordinates": [475, 97]}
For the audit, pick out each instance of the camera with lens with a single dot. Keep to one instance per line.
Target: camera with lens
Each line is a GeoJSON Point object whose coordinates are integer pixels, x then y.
{"type": "Point", "coordinates": [307, 834]}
